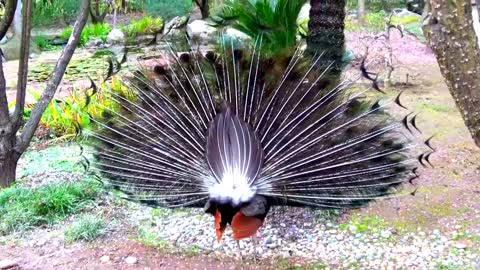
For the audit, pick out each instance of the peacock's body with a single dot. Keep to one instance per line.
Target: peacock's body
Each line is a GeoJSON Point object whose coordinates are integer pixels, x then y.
{"type": "Point", "coordinates": [236, 134]}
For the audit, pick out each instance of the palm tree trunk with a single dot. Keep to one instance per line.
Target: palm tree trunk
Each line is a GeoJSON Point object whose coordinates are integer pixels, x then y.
{"type": "Point", "coordinates": [326, 35]}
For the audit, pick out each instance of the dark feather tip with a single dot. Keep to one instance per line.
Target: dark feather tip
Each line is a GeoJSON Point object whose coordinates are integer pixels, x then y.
{"type": "Point", "coordinates": [238, 54]}
{"type": "Point", "coordinates": [427, 159]}
{"type": "Point", "coordinates": [211, 56]}
{"type": "Point", "coordinates": [420, 159]}
{"type": "Point", "coordinates": [428, 143]}
{"type": "Point", "coordinates": [397, 100]}
{"type": "Point", "coordinates": [411, 180]}
{"type": "Point", "coordinates": [405, 122]}
{"type": "Point", "coordinates": [159, 70]}
{"type": "Point", "coordinates": [185, 58]}
{"type": "Point", "coordinates": [413, 121]}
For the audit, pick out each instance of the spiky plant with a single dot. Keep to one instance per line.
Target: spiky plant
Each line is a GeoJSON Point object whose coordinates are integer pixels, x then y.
{"type": "Point", "coordinates": [273, 20]}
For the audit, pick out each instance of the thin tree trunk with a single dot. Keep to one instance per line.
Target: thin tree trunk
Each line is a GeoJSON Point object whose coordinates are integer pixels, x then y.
{"type": "Point", "coordinates": [12, 145]}
{"type": "Point", "coordinates": [326, 36]}
{"type": "Point", "coordinates": [450, 33]}
{"type": "Point", "coordinates": [361, 10]}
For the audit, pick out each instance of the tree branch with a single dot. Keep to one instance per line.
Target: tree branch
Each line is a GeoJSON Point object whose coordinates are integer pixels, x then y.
{"type": "Point", "coordinates": [10, 7]}
{"type": "Point", "coordinates": [17, 117]}
{"type": "Point", "coordinates": [59, 71]}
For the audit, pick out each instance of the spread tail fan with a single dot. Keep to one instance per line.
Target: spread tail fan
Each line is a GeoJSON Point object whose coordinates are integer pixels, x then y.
{"type": "Point", "coordinates": [223, 129]}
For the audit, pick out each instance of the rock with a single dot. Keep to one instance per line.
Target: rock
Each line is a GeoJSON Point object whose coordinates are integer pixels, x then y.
{"type": "Point", "coordinates": [404, 13]}
{"type": "Point", "coordinates": [460, 246]}
{"type": "Point", "coordinates": [144, 39]}
{"type": "Point", "coordinates": [8, 264]}
{"type": "Point", "coordinates": [131, 260]}
{"type": "Point", "coordinates": [94, 42]}
{"type": "Point", "coordinates": [41, 243]}
{"type": "Point", "coordinates": [385, 234]}
{"type": "Point", "coordinates": [201, 31]}
{"type": "Point", "coordinates": [105, 259]}
{"type": "Point", "coordinates": [116, 36]}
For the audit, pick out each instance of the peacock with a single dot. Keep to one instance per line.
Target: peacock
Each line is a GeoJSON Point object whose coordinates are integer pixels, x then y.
{"type": "Point", "coordinates": [235, 132]}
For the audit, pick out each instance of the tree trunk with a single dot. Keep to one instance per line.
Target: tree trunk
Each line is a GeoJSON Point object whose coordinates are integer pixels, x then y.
{"type": "Point", "coordinates": [326, 35]}
{"type": "Point", "coordinates": [450, 33]}
{"type": "Point", "coordinates": [361, 10]}
{"type": "Point", "coordinates": [477, 4]}
{"type": "Point", "coordinates": [8, 156]}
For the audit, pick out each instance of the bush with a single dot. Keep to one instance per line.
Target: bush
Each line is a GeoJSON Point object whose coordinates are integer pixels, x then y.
{"type": "Point", "coordinates": [86, 228]}
{"type": "Point", "coordinates": [90, 31]}
{"type": "Point", "coordinates": [146, 25]}
{"type": "Point", "coordinates": [168, 9]}
{"type": "Point", "coordinates": [22, 208]}
{"type": "Point", "coordinates": [43, 43]}
{"type": "Point", "coordinates": [48, 12]}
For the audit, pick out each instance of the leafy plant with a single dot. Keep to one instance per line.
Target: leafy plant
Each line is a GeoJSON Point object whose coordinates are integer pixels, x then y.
{"type": "Point", "coordinates": [146, 25]}
{"type": "Point", "coordinates": [99, 30]}
{"type": "Point", "coordinates": [87, 228]}
{"type": "Point", "coordinates": [43, 43]}
{"type": "Point", "coordinates": [274, 20]}
{"type": "Point", "coordinates": [22, 208]}
{"type": "Point", "coordinates": [64, 117]}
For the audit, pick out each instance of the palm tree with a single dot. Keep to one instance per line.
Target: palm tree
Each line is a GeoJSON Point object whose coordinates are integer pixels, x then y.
{"type": "Point", "coordinates": [326, 27]}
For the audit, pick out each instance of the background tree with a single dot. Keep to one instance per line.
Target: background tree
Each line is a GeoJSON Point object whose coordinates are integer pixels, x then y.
{"type": "Point", "coordinates": [450, 33]}
{"type": "Point", "coordinates": [15, 135]}
{"type": "Point", "coordinates": [204, 8]}
{"type": "Point", "coordinates": [326, 35]}
{"type": "Point", "coordinates": [361, 10]}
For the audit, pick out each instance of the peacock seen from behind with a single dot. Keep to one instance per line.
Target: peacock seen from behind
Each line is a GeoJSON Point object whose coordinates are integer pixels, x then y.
{"type": "Point", "coordinates": [237, 133]}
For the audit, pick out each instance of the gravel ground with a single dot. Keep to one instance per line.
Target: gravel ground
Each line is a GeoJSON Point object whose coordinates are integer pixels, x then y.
{"type": "Point", "coordinates": [306, 234]}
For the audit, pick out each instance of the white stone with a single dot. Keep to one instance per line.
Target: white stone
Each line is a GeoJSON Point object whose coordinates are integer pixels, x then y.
{"type": "Point", "coordinates": [105, 259]}
{"type": "Point", "coordinates": [131, 260]}
{"type": "Point", "coordinates": [116, 36]}
{"type": "Point", "coordinates": [201, 31]}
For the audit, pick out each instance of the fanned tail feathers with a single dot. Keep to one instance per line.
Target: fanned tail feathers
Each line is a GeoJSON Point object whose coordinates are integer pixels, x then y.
{"type": "Point", "coordinates": [293, 141]}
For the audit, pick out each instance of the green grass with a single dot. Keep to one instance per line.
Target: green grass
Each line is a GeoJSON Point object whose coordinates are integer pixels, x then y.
{"type": "Point", "coordinates": [365, 224]}
{"type": "Point", "coordinates": [437, 108]}
{"type": "Point", "coordinates": [90, 31]}
{"type": "Point", "coordinates": [44, 44]}
{"type": "Point", "coordinates": [23, 208]}
{"type": "Point", "coordinates": [148, 237]}
{"type": "Point", "coordinates": [146, 25]}
{"type": "Point", "coordinates": [285, 264]}
{"type": "Point", "coordinates": [86, 228]}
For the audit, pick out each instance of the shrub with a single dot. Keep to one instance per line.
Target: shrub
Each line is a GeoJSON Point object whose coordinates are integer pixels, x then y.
{"type": "Point", "coordinates": [43, 43]}
{"type": "Point", "coordinates": [87, 228]}
{"type": "Point", "coordinates": [146, 25]}
{"type": "Point", "coordinates": [274, 20]}
{"type": "Point", "coordinates": [64, 117]}
{"type": "Point", "coordinates": [90, 31]}
{"type": "Point", "coordinates": [22, 208]}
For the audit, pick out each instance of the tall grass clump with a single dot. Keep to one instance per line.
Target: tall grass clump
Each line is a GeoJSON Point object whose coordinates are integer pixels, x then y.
{"type": "Point", "coordinates": [23, 208]}
{"type": "Point", "coordinates": [146, 25]}
{"type": "Point", "coordinates": [87, 228]}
